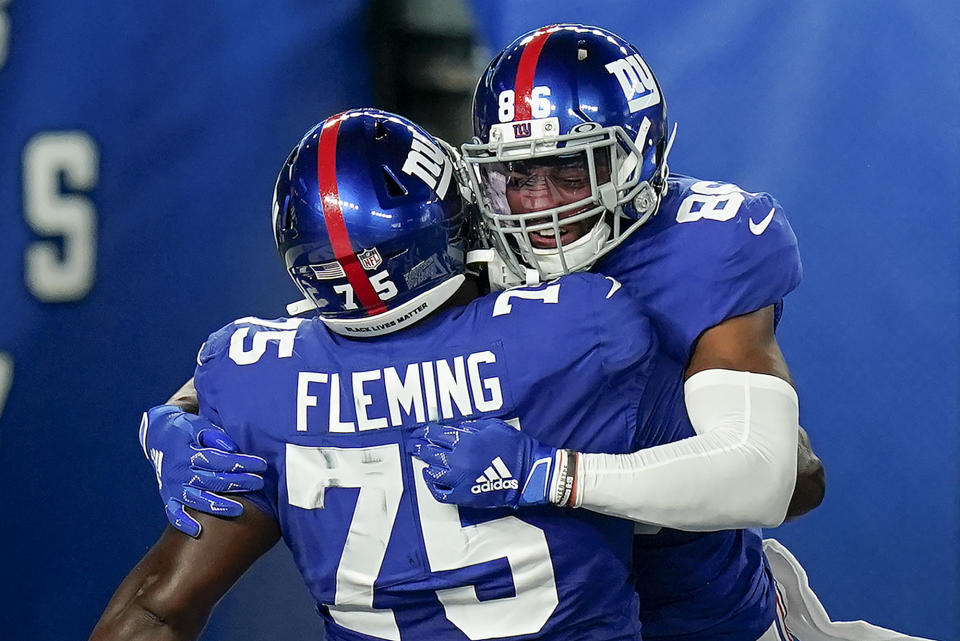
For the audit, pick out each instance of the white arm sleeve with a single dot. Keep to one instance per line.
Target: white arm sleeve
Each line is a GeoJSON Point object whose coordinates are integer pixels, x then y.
{"type": "Point", "coordinates": [737, 472]}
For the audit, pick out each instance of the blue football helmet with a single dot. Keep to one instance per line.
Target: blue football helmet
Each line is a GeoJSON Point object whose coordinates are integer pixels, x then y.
{"type": "Point", "coordinates": [369, 219]}
{"type": "Point", "coordinates": [570, 148]}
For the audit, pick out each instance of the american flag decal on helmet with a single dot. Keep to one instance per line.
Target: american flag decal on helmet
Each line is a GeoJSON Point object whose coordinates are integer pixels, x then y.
{"type": "Point", "coordinates": [370, 258]}
{"type": "Point", "coordinates": [324, 271]}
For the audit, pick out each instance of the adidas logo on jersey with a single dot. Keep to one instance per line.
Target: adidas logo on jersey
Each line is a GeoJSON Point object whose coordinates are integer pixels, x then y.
{"type": "Point", "coordinates": [495, 477]}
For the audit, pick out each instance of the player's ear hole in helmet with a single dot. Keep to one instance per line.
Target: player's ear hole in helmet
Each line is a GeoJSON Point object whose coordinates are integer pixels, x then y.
{"type": "Point", "coordinates": [369, 219]}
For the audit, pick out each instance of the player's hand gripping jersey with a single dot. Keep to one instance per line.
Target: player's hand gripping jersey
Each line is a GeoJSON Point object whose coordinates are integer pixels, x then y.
{"type": "Point", "coordinates": [569, 359]}
{"type": "Point", "coordinates": [712, 252]}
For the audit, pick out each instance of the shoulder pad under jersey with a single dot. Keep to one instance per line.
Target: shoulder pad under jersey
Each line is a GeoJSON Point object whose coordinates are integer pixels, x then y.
{"type": "Point", "coordinates": [724, 252]}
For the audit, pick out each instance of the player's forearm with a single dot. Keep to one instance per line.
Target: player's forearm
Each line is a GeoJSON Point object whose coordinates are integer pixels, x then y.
{"type": "Point", "coordinates": [739, 471]}
{"type": "Point", "coordinates": [170, 594]}
{"type": "Point", "coordinates": [132, 622]}
{"type": "Point", "coordinates": [145, 607]}
{"type": "Point", "coordinates": [811, 480]}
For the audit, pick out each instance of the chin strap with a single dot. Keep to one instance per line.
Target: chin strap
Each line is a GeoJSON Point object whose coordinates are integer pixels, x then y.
{"type": "Point", "coordinates": [578, 255]}
{"type": "Point", "coordinates": [301, 307]}
{"type": "Point", "coordinates": [498, 274]}
{"type": "Point", "coordinates": [665, 169]}
{"type": "Point", "coordinates": [666, 152]}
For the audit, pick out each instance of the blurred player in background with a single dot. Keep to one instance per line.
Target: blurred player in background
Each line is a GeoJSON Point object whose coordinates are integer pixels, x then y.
{"type": "Point", "coordinates": [369, 203]}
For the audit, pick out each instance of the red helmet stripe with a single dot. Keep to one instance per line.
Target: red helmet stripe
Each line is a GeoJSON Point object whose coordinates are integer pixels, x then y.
{"type": "Point", "coordinates": [526, 68]}
{"type": "Point", "coordinates": [333, 216]}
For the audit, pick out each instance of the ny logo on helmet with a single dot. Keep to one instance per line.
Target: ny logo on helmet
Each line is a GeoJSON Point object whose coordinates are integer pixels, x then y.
{"type": "Point", "coordinates": [427, 162]}
{"type": "Point", "coordinates": [521, 130]}
{"type": "Point", "coordinates": [637, 82]}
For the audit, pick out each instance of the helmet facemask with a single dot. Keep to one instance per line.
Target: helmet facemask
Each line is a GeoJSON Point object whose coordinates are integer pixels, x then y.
{"type": "Point", "coordinates": [556, 204]}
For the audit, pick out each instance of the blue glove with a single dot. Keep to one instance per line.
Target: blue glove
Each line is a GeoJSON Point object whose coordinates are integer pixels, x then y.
{"type": "Point", "coordinates": [486, 463]}
{"type": "Point", "coordinates": [193, 458]}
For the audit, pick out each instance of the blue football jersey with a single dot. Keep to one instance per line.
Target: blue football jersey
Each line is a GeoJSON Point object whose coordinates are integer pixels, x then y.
{"type": "Point", "coordinates": [569, 360]}
{"type": "Point", "coordinates": [713, 251]}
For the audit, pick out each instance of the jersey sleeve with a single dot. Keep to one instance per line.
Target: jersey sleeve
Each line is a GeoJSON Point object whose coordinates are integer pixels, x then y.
{"type": "Point", "coordinates": [215, 381]}
{"type": "Point", "coordinates": [205, 379]}
{"type": "Point", "coordinates": [728, 268]}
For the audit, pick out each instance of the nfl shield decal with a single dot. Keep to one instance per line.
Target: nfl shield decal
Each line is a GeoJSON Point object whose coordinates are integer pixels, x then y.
{"type": "Point", "coordinates": [370, 259]}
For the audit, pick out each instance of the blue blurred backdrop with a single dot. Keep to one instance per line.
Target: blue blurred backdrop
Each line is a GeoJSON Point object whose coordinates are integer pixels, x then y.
{"type": "Point", "coordinates": [138, 145]}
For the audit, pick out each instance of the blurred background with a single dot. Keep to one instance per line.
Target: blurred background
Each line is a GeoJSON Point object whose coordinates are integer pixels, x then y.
{"type": "Point", "coordinates": [138, 147]}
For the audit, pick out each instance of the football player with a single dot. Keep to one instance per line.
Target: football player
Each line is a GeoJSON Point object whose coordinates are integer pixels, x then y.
{"type": "Point", "coordinates": [570, 168]}
{"type": "Point", "coordinates": [370, 224]}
